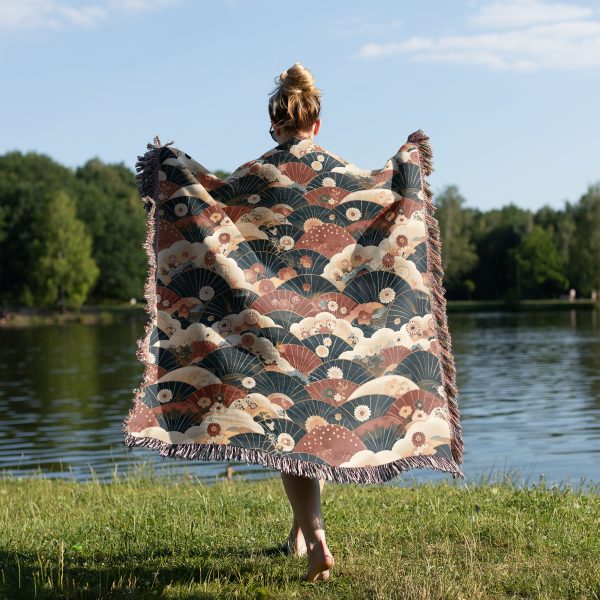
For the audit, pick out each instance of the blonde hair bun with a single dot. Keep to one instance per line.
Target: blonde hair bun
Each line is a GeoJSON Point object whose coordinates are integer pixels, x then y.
{"type": "Point", "coordinates": [298, 80]}
{"type": "Point", "coordinates": [295, 103]}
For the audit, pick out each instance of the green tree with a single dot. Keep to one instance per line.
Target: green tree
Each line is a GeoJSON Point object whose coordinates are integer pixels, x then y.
{"type": "Point", "coordinates": [540, 266]}
{"type": "Point", "coordinates": [495, 232]}
{"type": "Point", "coordinates": [110, 206]}
{"type": "Point", "coordinates": [458, 250]}
{"type": "Point", "coordinates": [585, 242]}
{"type": "Point", "coordinates": [61, 267]}
{"type": "Point", "coordinates": [24, 179]}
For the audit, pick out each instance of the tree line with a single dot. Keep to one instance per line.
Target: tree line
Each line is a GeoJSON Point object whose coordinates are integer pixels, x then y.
{"type": "Point", "coordinates": [74, 236]}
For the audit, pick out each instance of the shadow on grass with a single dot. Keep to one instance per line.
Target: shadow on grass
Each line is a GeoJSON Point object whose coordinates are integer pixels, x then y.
{"type": "Point", "coordinates": [28, 575]}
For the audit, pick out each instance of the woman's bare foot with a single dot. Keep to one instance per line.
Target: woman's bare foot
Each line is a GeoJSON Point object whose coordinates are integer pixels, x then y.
{"type": "Point", "coordinates": [295, 543]}
{"type": "Point", "coordinates": [320, 560]}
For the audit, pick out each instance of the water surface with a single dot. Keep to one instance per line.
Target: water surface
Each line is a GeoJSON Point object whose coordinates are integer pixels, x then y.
{"type": "Point", "coordinates": [529, 398]}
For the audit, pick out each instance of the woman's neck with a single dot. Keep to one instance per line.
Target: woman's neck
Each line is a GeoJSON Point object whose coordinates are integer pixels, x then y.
{"type": "Point", "coordinates": [296, 134]}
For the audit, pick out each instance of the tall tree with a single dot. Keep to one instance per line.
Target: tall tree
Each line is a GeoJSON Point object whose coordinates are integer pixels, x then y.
{"type": "Point", "coordinates": [61, 268]}
{"type": "Point", "coordinates": [458, 250]}
{"type": "Point", "coordinates": [539, 265]}
{"type": "Point", "coordinates": [110, 206]}
{"type": "Point", "coordinates": [585, 243]}
{"type": "Point", "coordinates": [496, 232]}
{"type": "Point", "coordinates": [25, 178]}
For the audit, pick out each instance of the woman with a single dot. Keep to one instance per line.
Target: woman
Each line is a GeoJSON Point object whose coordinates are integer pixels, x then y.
{"type": "Point", "coordinates": [294, 108]}
{"type": "Point", "coordinates": [299, 320]}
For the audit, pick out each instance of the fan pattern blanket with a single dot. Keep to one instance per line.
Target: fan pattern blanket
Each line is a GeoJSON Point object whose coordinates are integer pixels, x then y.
{"type": "Point", "coordinates": [297, 315]}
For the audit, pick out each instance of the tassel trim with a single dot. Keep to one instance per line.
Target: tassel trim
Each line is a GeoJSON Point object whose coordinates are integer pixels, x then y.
{"type": "Point", "coordinates": [438, 299]}
{"type": "Point", "coordinates": [295, 466]}
{"type": "Point", "coordinates": [148, 186]}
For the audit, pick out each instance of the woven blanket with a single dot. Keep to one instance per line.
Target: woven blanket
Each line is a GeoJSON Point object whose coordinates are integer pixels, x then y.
{"type": "Point", "coordinates": [297, 317]}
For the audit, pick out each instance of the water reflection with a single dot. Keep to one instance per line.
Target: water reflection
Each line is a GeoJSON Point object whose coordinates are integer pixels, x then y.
{"type": "Point", "coordinates": [529, 396]}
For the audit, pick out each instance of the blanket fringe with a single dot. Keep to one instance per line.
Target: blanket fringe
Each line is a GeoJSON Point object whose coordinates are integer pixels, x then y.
{"type": "Point", "coordinates": [434, 261]}
{"type": "Point", "coordinates": [287, 464]}
{"type": "Point", "coordinates": [148, 185]}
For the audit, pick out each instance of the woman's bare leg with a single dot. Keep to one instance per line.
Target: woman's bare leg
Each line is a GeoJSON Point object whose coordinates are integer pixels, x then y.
{"type": "Point", "coordinates": [304, 494]}
{"type": "Point", "coordinates": [297, 544]}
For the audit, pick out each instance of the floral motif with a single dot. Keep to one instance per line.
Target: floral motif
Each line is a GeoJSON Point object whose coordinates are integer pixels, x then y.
{"type": "Point", "coordinates": [387, 295]}
{"type": "Point", "coordinates": [353, 214]}
{"type": "Point", "coordinates": [286, 242]}
{"type": "Point", "coordinates": [362, 412]}
{"type": "Point", "coordinates": [181, 209]}
{"type": "Point", "coordinates": [335, 373]}
{"type": "Point", "coordinates": [164, 395]}
{"type": "Point", "coordinates": [248, 383]}
{"type": "Point", "coordinates": [285, 442]}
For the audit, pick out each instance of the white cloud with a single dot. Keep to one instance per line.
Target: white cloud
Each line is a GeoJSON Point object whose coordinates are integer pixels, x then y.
{"type": "Point", "coordinates": [53, 14]}
{"type": "Point", "coordinates": [86, 16]}
{"type": "Point", "coordinates": [552, 36]}
{"type": "Point", "coordinates": [519, 13]}
{"type": "Point", "coordinates": [138, 5]}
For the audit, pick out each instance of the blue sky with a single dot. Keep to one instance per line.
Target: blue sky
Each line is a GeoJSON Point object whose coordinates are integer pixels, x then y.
{"type": "Point", "coordinates": [507, 90]}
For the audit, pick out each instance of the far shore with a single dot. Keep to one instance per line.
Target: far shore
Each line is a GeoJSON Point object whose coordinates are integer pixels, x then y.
{"type": "Point", "coordinates": [105, 313]}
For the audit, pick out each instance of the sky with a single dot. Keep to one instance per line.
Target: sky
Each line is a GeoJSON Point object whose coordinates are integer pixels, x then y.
{"type": "Point", "coordinates": [507, 90]}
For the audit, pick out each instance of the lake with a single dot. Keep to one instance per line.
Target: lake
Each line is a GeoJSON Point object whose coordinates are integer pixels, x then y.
{"type": "Point", "coordinates": [529, 398]}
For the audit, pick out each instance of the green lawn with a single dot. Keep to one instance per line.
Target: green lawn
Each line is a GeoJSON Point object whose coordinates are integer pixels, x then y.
{"type": "Point", "coordinates": [146, 536]}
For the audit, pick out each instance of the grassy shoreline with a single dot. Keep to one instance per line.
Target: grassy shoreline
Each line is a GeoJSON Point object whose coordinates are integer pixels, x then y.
{"type": "Point", "coordinates": [151, 537]}
{"type": "Point", "coordinates": [14, 316]}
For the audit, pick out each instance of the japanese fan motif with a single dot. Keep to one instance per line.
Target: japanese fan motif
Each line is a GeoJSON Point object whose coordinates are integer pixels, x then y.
{"type": "Point", "coordinates": [297, 315]}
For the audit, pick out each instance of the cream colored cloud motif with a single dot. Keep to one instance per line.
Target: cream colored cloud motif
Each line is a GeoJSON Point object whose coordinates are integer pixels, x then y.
{"type": "Point", "coordinates": [325, 322]}
{"type": "Point", "coordinates": [182, 254]}
{"type": "Point", "coordinates": [224, 239]}
{"type": "Point", "coordinates": [247, 320]}
{"type": "Point", "coordinates": [343, 266]}
{"type": "Point", "coordinates": [380, 340]}
{"type": "Point", "coordinates": [230, 330]}
{"type": "Point", "coordinates": [228, 421]}
{"type": "Point", "coordinates": [414, 230]}
{"type": "Point", "coordinates": [388, 385]}
{"type": "Point", "coordinates": [271, 174]}
{"type": "Point", "coordinates": [192, 375]}
{"type": "Point", "coordinates": [250, 231]}
{"type": "Point", "coordinates": [193, 190]}
{"type": "Point", "coordinates": [404, 268]}
{"type": "Point", "coordinates": [381, 196]}
{"type": "Point", "coordinates": [254, 404]}
{"type": "Point", "coordinates": [422, 437]}
{"type": "Point", "coordinates": [261, 216]}
{"type": "Point", "coordinates": [300, 149]}
{"type": "Point", "coordinates": [173, 260]}
{"type": "Point", "coordinates": [182, 158]}
{"type": "Point", "coordinates": [351, 169]}
{"type": "Point", "coordinates": [179, 337]}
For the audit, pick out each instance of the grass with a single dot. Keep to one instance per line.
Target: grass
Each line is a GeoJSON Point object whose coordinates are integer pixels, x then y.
{"type": "Point", "coordinates": [148, 536]}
